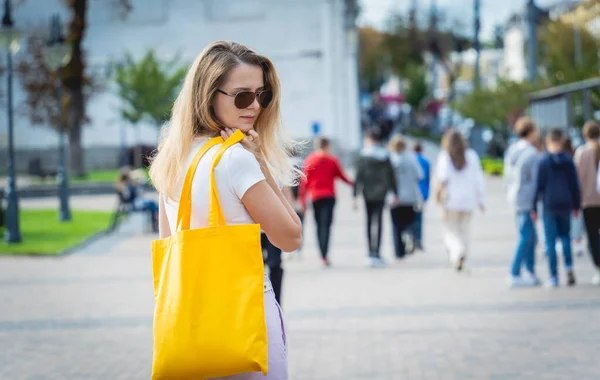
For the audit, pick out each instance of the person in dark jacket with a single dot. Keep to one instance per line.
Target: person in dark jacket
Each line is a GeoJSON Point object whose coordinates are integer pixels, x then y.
{"type": "Point", "coordinates": [558, 186]}
{"type": "Point", "coordinates": [374, 179]}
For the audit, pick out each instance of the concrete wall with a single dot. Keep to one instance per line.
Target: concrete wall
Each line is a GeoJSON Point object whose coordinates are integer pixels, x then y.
{"type": "Point", "coordinates": [307, 41]}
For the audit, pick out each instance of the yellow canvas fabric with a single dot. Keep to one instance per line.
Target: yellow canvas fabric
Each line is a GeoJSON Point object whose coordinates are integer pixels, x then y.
{"type": "Point", "coordinates": [209, 318]}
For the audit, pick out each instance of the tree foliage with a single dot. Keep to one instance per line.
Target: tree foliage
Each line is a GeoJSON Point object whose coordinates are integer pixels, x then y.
{"type": "Point", "coordinates": [418, 89]}
{"type": "Point", "coordinates": [557, 53]}
{"type": "Point", "coordinates": [76, 80]}
{"type": "Point", "coordinates": [405, 46]}
{"type": "Point", "coordinates": [497, 107]}
{"type": "Point", "coordinates": [148, 87]}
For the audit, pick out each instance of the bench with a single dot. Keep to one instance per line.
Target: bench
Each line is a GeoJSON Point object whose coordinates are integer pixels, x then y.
{"type": "Point", "coordinates": [123, 210]}
{"type": "Point", "coordinates": [34, 168]}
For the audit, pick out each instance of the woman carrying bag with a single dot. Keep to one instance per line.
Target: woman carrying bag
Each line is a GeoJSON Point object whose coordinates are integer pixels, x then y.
{"type": "Point", "coordinates": [215, 312]}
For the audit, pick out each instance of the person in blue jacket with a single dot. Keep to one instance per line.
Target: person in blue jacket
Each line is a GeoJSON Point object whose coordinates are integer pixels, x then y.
{"type": "Point", "coordinates": [558, 187]}
{"type": "Point", "coordinates": [424, 188]}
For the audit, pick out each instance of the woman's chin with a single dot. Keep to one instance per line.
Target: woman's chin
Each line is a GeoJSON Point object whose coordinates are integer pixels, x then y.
{"type": "Point", "coordinates": [245, 127]}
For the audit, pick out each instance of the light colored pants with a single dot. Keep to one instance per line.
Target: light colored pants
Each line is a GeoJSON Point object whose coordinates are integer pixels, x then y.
{"type": "Point", "coordinates": [456, 233]}
{"type": "Point", "coordinates": [278, 366]}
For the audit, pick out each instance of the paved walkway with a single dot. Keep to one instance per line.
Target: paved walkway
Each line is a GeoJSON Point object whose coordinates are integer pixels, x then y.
{"type": "Point", "coordinates": [89, 315]}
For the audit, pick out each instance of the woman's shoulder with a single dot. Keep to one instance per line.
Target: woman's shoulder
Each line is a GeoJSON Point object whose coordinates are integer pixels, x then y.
{"type": "Point", "coordinates": [238, 155]}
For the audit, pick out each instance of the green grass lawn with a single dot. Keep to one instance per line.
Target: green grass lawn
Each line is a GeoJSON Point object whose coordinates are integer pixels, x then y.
{"type": "Point", "coordinates": [97, 176]}
{"type": "Point", "coordinates": [44, 234]}
{"type": "Point", "coordinates": [492, 166]}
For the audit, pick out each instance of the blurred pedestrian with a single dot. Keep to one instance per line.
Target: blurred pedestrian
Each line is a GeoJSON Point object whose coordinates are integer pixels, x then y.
{"type": "Point", "coordinates": [520, 173]}
{"type": "Point", "coordinates": [417, 227]}
{"type": "Point", "coordinates": [408, 174]}
{"type": "Point", "coordinates": [460, 189]}
{"type": "Point", "coordinates": [321, 169]}
{"type": "Point", "coordinates": [129, 187]}
{"type": "Point", "coordinates": [374, 180]}
{"type": "Point", "coordinates": [272, 255]}
{"type": "Point", "coordinates": [587, 158]}
{"type": "Point", "coordinates": [294, 192]}
{"type": "Point", "coordinates": [558, 187]}
{"type": "Point", "coordinates": [576, 221]}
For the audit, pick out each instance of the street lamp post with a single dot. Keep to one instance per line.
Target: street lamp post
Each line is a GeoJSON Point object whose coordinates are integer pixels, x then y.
{"type": "Point", "coordinates": [476, 44]}
{"type": "Point", "coordinates": [532, 16]}
{"type": "Point", "coordinates": [10, 38]}
{"type": "Point", "coordinates": [57, 54]}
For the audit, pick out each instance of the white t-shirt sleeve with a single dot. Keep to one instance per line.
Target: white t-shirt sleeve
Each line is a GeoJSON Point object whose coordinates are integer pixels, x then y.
{"type": "Point", "coordinates": [243, 170]}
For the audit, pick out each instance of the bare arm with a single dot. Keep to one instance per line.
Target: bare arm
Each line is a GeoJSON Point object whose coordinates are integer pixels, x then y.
{"type": "Point", "coordinates": [267, 204]}
{"type": "Point", "coordinates": [270, 208]}
{"type": "Point", "coordinates": [164, 230]}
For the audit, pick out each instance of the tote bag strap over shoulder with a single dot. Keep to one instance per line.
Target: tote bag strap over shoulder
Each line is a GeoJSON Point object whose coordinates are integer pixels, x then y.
{"type": "Point", "coordinates": [215, 213]}
{"type": "Point", "coordinates": [184, 211]}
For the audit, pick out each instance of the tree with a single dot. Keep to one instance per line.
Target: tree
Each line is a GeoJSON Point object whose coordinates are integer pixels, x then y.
{"type": "Point", "coordinates": [75, 80]}
{"type": "Point", "coordinates": [497, 107]}
{"type": "Point", "coordinates": [371, 58]}
{"type": "Point", "coordinates": [418, 89]}
{"type": "Point", "coordinates": [445, 44]}
{"type": "Point", "coordinates": [42, 104]}
{"type": "Point", "coordinates": [498, 42]}
{"type": "Point", "coordinates": [148, 88]}
{"type": "Point", "coordinates": [558, 53]}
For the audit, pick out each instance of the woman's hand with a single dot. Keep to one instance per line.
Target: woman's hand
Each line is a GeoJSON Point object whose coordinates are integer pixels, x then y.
{"type": "Point", "coordinates": [251, 142]}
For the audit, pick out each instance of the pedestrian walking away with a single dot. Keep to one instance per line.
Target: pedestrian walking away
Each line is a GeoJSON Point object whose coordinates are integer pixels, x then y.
{"type": "Point", "coordinates": [460, 189]}
{"type": "Point", "coordinates": [558, 187]}
{"type": "Point", "coordinates": [375, 179]}
{"type": "Point", "coordinates": [408, 174]}
{"type": "Point", "coordinates": [520, 175]}
{"type": "Point", "coordinates": [321, 169]}
{"type": "Point", "coordinates": [587, 158]}
{"type": "Point", "coordinates": [417, 227]}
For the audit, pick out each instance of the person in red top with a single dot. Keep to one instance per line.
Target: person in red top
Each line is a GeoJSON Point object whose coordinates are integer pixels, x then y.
{"type": "Point", "coordinates": [321, 169]}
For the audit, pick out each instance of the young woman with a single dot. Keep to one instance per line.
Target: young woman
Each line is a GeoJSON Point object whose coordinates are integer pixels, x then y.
{"type": "Point", "coordinates": [461, 188]}
{"type": "Point", "coordinates": [586, 160]}
{"type": "Point", "coordinates": [231, 87]}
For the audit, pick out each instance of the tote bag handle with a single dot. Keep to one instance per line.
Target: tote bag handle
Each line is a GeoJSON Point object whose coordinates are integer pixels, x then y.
{"type": "Point", "coordinates": [184, 211]}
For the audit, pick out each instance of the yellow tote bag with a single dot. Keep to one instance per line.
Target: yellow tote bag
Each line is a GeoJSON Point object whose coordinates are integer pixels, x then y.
{"type": "Point", "coordinates": [209, 318]}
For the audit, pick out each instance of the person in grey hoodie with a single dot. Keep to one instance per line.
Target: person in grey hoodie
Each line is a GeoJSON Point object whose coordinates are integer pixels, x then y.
{"type": "Point", "coordinates": [520, 174]}
{"type": "Point", "coordinates": [375, 180]}
{"type": "Point", "coordinates": [408, 173]}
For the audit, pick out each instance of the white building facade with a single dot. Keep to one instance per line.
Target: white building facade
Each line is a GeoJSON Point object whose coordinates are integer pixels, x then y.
{"type": "Point", "coordinates": [311, 42]}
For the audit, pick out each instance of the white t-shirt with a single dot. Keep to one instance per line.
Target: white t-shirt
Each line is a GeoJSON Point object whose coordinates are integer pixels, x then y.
{"type": "Point", "coordinates": [465, 187]}
{"type": "Point", "coordinates": [237, 171]}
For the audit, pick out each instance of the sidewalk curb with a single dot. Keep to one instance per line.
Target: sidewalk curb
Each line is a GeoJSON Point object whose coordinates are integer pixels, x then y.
{"type": "Point", "coordinates": [86, 242]}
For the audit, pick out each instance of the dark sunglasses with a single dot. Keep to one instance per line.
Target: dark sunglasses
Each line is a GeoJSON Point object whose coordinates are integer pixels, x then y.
{"type": "Point", "coordinates": [245, 98]}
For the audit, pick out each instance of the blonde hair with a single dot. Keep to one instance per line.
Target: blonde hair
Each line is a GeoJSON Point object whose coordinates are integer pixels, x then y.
{"type": "Point", "coordinates": [397, 144]}
{"type": "Point", "coordinates": [192, 116]}
{"type": "Point", "coordinates": [456, 147]}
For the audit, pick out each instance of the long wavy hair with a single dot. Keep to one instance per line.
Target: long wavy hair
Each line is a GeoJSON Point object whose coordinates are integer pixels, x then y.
{"type": "Point", "coordinates": [456, 146]}
{"type": "Point", "coordinates": [193, 116]}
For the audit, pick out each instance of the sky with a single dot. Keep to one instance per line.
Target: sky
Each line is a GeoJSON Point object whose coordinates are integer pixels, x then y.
{"type": "Point", "coordinates": [493, 12]}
